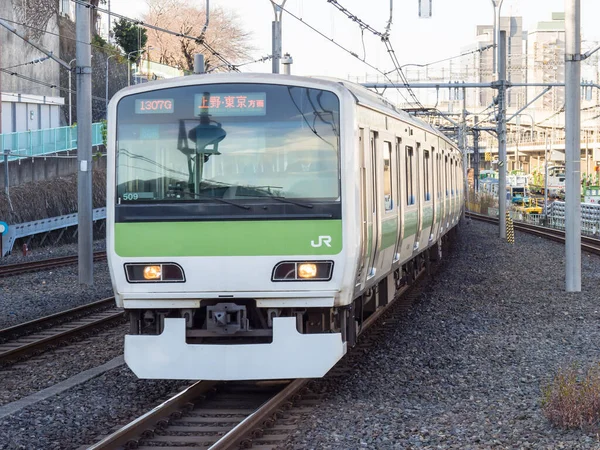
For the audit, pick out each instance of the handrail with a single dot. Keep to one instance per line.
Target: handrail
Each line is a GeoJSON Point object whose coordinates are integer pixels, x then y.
{"type": "Point", "coordinates": [32, 143]}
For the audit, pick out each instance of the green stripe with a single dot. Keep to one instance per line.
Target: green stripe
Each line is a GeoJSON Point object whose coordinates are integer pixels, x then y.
{"type": "Point", "coordinates": [243, 238]}
{"type": "Point", "coordinates": [410, 223]}
{"type": "Point", "coordinates": [389, 230]}
{"type": "Point", "coordinates": [427, 217]}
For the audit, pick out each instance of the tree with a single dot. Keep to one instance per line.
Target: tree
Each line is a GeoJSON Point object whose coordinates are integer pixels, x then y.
{"type": "Point", "coordinates": [130, 37]}
{"type": "Point", "coordinates": [224, 34]}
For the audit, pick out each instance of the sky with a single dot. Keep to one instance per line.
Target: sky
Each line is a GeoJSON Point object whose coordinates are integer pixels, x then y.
{"type": "Point", "coordinates": [415, 40]}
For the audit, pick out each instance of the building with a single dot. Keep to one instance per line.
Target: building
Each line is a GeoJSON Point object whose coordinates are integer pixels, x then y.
{"type": "Point", "coordinates": [30, 96]}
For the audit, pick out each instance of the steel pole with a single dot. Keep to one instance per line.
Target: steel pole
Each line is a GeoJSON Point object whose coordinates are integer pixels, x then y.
{"type": "Point", "coordinates": [573, 145]}
{"type": "Point", "coordinates": [502, 133]}
{"type": "Point", "coordinates": [84, 145]}
{"type": "Point", "coordinates": [546, 178]}
{"type": "Point", "coordinates": [463, 128]}
{"type": "Point", "coordinates": [71, 92]}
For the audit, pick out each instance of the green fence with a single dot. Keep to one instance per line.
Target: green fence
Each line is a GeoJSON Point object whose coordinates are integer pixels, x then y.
{"type": "Point", "coordinates": [26, 144]}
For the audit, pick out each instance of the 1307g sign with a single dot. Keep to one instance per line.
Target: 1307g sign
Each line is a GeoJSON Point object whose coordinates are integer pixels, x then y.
{"type": "Point", "coordinates": [156, 106]}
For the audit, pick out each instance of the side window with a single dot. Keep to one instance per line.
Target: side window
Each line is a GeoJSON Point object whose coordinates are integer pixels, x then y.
{"type": "Point", "coordinates": [387, 176]}
{"type": "Point", "coordinates": [426, 163]}
{"type": "Point", "coordinates": [446, 181]}
{"type": "Point", "coordinates": [410, 197]}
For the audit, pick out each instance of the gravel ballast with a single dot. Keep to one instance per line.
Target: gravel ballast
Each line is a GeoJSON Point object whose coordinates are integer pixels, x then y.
{"type": "Point", "coordinates": [462, 370]}
{"type": "Point", "coordinates": [33, 295]}
{"type": "Point", "coordinates": [466, 367]}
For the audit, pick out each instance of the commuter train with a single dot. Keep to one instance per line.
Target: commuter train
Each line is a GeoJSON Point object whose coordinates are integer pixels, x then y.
{"type": "Point", "coordinates": [255, 220]}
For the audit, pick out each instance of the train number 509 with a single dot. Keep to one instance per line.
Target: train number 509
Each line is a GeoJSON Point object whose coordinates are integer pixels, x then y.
{"type": "Point", "coordinates": [133, 196]}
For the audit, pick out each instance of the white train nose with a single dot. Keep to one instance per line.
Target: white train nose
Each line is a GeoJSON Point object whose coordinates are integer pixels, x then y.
{"type": "Point", "coordinates": [290, 355]}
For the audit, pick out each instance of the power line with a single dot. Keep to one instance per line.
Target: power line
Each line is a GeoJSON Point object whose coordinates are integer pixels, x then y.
{"type": "Point", "coordinates": [299, 19]}
{"type": "Point", "coordinates": [202, 42]}
{"type": "Point", "coordinates": [115, 51]}
{"type": "Point", "coordinates": [388, 45]}
{"type": "Point", "coordinates": [35, 61]}
{"type": "Point", "coordinates": [43, 83]}
{"type": "Point", "coordinates": [355, 19]}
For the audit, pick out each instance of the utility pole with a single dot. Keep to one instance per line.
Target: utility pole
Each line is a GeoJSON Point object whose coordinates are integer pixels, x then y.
{"type": "Point", "coordinates": [476, 156]}
{"type": "Point", "coordinates": [573, 144]}
{"type": "Point", "coordinates": [463, 143]}
{"type": "Point", "coordinates": [501, 123]}
{"type": "Point", "coordinates": [496, 30]}
{"type": "Point", "coordinates": [276, 35]}
{"type": "Point", "coordinates": [83, 82]}
{"type": "Point", "coordinates": [5, 151]}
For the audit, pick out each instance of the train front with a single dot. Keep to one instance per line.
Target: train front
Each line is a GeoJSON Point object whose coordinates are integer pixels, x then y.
{"type": "Point", "coordinates": [225, 226]}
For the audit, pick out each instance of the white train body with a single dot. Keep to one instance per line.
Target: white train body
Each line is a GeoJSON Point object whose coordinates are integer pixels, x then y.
{"type": "Point", "coordinates": [251, 242]}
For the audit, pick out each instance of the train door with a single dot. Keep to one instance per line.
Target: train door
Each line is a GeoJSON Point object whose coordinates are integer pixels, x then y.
{"type": "Point", "coordinates": [427, 198]}
{"type": "Point", "coordinates": [365, 216]}
{"type": "Point", "coordinates": [401, 194]}
{"type": "Point", "coordinates": [373, 214]}
{"type": "Point", "coordinates": [419, 197]}
{"type": "Point", "coordinates": [408, 152]}
{"type": "Point", "coordinates": [388, 211]}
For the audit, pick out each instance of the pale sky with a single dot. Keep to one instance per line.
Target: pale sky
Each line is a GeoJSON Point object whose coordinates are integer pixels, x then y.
{"type": "Point", "coordinates": [415, 40]}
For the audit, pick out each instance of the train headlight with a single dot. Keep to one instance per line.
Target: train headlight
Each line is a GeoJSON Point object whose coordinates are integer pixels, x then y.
{"type": "Point", "coordinates": [154, 273]}
{"type": "Point", "coordinates": [307, 270]}
{"type": "Point", "coordinates": [303, 271]}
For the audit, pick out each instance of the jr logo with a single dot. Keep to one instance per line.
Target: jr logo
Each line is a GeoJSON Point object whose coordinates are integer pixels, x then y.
{"type": "Point", "coordinates": [322, 240]}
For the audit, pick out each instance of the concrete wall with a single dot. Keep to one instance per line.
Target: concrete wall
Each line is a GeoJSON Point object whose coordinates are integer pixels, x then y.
{"type": "Point", "coordinates": [23, 112]}
{"type": "Point", "coordinates": [27, 170]}
{"type": "Point", "coordinates": [39, 14]}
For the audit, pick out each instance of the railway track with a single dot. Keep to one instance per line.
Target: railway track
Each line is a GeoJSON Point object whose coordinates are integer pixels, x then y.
{"type": "Point", "coordinates": [232, 415]}
{"type": "Point", "coordinates": [588, 244]}
{"type": "Point", "coordinates": [51, 263]}
{"type": "Point", "coordinates": [31, 337]}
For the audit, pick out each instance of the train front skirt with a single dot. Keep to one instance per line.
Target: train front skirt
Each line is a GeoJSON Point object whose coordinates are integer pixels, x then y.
{"type": "Point", "coordinates": [289, 355]}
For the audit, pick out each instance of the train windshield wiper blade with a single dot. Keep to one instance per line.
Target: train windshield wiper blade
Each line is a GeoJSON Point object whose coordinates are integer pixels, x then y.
{"type": "Point", "coordinates": [287, 200]}
{"type": "Point", "coordinates": [219, 199]}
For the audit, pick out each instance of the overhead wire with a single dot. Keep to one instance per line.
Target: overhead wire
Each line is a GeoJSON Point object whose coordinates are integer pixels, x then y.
{"type": "Point", "coordinates": [138, 22]}
{"type": "Point", "coordinates": [337, 44]}
{"type": "Point", "coordinates": [388, 45]}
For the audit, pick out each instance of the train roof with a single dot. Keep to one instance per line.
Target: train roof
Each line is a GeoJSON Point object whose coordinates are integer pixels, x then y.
{"type": "Point", "coordinates": [363, 95]}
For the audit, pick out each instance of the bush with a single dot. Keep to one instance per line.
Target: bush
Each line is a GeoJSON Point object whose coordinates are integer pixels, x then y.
{"type": "Point", "coordinates": [572, 400]}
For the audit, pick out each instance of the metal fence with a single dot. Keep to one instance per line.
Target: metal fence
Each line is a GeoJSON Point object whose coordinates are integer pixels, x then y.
{"type": "Point", "coordinates": [27, 144]}
{"type": "Point", "coordinates": [553, 218]}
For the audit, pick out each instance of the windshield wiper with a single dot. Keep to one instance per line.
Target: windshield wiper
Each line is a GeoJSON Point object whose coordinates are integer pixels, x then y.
{"type": "Point", "coordinates": [287, 200]}
{"type": "Point", "coordinates": [219, 199]}
{"type": "Point", "coordinates": [274, 197]}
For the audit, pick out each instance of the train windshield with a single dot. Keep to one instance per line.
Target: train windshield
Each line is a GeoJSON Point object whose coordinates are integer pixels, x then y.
{"type": "Point", "coordinates": [228, 142]}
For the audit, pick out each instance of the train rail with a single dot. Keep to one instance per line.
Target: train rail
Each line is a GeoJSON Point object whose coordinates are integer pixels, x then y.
{"type": "Point", "coordinates": [231, 415]}
{"type": "Point", "coordinates": [28, 338]}
{"type": "Point", "coordinates": [43, 264]}
{"type": "Point", "coordinates": [588, 244]}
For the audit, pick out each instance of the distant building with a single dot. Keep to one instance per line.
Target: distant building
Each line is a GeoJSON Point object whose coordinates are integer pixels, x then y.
{"type": "Point", "coordinates": [479, 66]}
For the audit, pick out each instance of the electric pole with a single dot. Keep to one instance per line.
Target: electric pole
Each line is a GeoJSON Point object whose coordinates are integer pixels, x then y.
{"type": "Point", "coordinates": [83, 82]}
{"type": "Point", "coordinates": [276, 35]}
{"type": "Point", "coordinates": [501, 124]}
{"type": "Point", "coordinates": [573, 144]}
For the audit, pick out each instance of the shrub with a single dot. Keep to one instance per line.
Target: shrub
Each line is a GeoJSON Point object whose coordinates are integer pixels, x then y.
{"type": "Point", "coordinates": [572, 400]}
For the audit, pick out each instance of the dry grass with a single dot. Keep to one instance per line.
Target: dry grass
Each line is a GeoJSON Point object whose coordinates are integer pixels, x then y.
{"type": "Point", "coordinates": [572, 400]}
{"type": "Point", "coordinates": [48, 198]}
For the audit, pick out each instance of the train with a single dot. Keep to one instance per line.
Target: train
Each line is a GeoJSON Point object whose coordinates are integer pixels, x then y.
{"type": "Point", "coordinates": [254, 221]}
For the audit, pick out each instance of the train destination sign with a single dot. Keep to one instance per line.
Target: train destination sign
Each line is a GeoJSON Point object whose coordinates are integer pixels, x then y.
{"type": "Point", "coordinates": [155, 106]}
{"type": "Point", "coordinates": [238, 104]}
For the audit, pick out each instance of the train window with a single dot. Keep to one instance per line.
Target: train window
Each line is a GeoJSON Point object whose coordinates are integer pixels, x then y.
{"type": "Point", "coordinates": [235, 142]}
{"type": "Point", "coordinates": [387, 176]}
{"type": "Point", "coordinates": [410, 197]}
{"type": "Point", "coordinates": [426, 175]}
{"type": "Point", "coordinates": [446, 178]}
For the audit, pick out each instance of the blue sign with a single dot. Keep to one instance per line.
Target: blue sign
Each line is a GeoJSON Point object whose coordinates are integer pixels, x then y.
{"type": "Point", "coordinates": [3, 228]}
